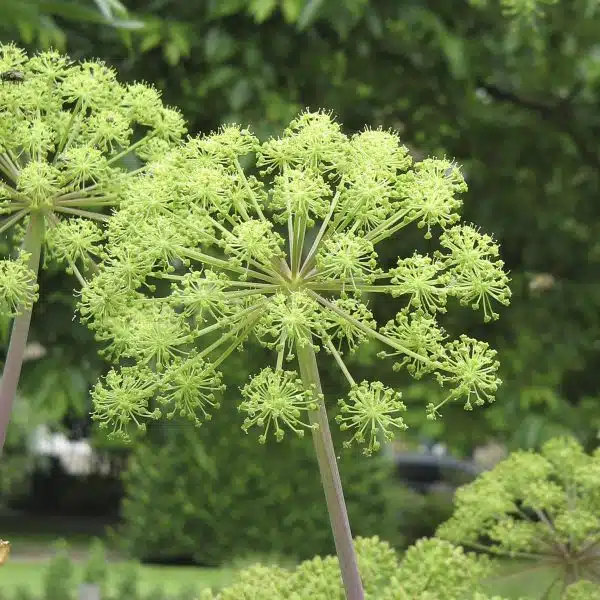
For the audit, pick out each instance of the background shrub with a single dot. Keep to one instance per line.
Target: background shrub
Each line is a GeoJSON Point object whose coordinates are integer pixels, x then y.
{"type": "Point", "coordinates": [212, 494]}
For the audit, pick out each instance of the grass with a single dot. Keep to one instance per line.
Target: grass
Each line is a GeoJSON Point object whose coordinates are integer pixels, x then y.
{"type": "Point", "coordinates": [522, 580]}
{"type": "Point", "coordinates": [30, 554]}
{"type": "Point", "coordinates": [16, 574]}
{"type": "Point", "coordinates": [44, 543]}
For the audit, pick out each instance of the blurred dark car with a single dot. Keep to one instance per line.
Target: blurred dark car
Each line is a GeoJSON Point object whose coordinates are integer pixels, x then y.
{"type": "Point", "coordinates": [426, 483]}
{"type": "Point", "coordinates": [425, 471]}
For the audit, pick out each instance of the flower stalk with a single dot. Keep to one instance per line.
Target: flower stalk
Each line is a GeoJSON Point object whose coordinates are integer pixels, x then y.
{"type": "Point", "coordinates": [32, 247]}
{"type": "Point", "coordinates": [330, 476]}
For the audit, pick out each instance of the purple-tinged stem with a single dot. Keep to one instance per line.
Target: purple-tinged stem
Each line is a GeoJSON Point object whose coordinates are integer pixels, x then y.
{"type": "Point", "coordinates": [32, 244]}
{"type": "Point", "coordinates": [330, 478]}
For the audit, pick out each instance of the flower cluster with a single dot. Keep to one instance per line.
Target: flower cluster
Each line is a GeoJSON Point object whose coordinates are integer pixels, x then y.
{"type": "Point", "coordinates": [430, 570]}
{"type": "Point", "coordinates": [541, 507]}
{"type": "Point", "coordinates": [276, 397]}
{"type": "Point", "coordinates": [18, 287]}
{"type": "Point", "coordinates": [203, 256]}
{"type": "Point", "coordinates": [66, 133]}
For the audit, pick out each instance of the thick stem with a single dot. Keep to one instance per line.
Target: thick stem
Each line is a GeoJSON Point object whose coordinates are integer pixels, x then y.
{"type": "Point", "coordinates": [18, 338]}
{"type": "Point", "coordinates": [330, 478]}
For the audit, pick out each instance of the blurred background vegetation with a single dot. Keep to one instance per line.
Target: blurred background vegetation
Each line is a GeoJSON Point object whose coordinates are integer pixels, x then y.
{"type": "Point", "coordinates": [508, 88]}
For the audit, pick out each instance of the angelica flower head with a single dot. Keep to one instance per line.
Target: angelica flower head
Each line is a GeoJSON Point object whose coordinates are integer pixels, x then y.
{"type": "Point", "coordinates": [290, 259]}
{"type": "Point", "coordinates": [65, 130]}
{"type": "Point", "coordinates": [431, 569]}
{"type": "Point", "coordinates": [536, 506]}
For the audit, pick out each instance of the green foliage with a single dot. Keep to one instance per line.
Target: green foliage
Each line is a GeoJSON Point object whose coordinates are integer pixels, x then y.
{"type": "Point", "coordinates": [454, 79]}
{"type": "Point", "coordinates": [156, 594]}
{"type": "Point", "coordinates": [420, 69]}
{"type": "Point", "coordinates": [421, 514]}
{"type": "Point", "coordinates": [96, 569]}
{"type": "Point", "coordinates": [58, 580]}
{"type": "Point", "coordinates": [582, 590]}
{"type": "Point", "coordinates": [226, 496]}
{"type": "Point", "coordinates": [23, 593]}
{"type": "Point", "coordinates": [541, 507]}
{"type": "Point", "coordinates": [128, 580]}
{"type": "Point", "coordinates": [527, 10]}
{"type": "Point", "coordinates": [17, 462]}
{"type": "Point", "coordinates": [39, 22]}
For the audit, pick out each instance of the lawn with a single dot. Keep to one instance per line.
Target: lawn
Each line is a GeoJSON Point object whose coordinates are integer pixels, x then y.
{"type": "Point", "coordinates": [171, 579]}
{"type": "Point", "coordinates": [30, 554]}
{"type": "Point", "coordinates": [524, 581]}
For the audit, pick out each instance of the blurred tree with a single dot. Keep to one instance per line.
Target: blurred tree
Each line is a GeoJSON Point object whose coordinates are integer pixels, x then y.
{"type": "Point", "coordinates": [38, 22]}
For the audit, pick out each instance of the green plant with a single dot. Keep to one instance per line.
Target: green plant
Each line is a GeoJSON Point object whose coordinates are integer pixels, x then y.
{"type": "Point", "coordinates": [430, 570]}
{"type": "Point", "coordinates": [336, 198]}
{"type": "Point", "coordinates": [542, 508]}
{"type": "Point", "coordinates": [95, 569]}
{"type": "Point", "coordinates": [40, 22]}
{"type": "Point", "coordinates": [128, 582]}
{"type": "Point", "coordinates": [155, 594]}
{"type": "Point", "coordinates": [21, 593]}
{"type": "Point", "coordinates": [65, 131]}
{"type": "Point", "coordinates": [466, 92]}
{"type": "Point", "coordinates": [58, 579]}
{"type": "Point", "coordinates": [188, 593]}
{"type": "Point", "coordinates": [582, 590]}
{"type": "Point", "coordinates": [68, 133]}
{"type": "Point", "coordinates": [421, 514]}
